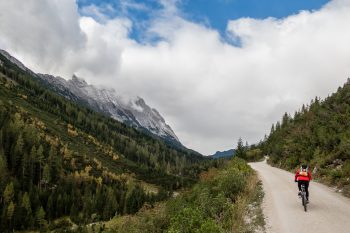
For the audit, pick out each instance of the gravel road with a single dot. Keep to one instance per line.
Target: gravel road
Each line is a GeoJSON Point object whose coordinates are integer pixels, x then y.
{"type": "Point", "coordinates": [328, 211]}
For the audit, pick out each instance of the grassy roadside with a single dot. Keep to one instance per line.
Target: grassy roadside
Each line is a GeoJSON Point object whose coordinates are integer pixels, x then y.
{"type": "Point", "coordinates": [225, 200]}
{"type": "Point", "coordinates": [335, 175]}
{"type": "Point", "coordinates": [254, 217]}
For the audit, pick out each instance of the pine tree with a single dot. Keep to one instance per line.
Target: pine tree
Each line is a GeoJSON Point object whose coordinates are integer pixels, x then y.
{"type": "Point", "coordinates": [303, 109]}
{"type": "Point", "coordinates": [50, 207]}
{"type": "Point", "coordinates": [54, 164]}
{"type": "Point", "coordinates": [285, 120]}
{"type": "Point", "coordinates": [240, 150]}
{"type": "Point", "coordinates": [32, 158]}
{"type": "Point", "coordinates": [10, 212]}
{"type": "Point", "coordinates": [46, 175]}
{"type": "Point", "coordinates": [17, 154]}
{"type": "Point", "coordinates": [26, 171]}
{"type": "Point", "coordinates": [40, 218]}
{"type": "Point", "coordinates": [74, 211]}
{"type": "Point", "coordinates": [111, 205]}
{"type": "Point", "coordinates": [27, 209]}
{"type": "Point", "coordinates": [272, 129]}
{"type": "Point", "coordinates": [40, 160]}
{"type": "Point", "coordinates": [278, 126]}
{"type": "Point", "coordinates": [9, 193]}
{"type": "Point", "coordinates": [3, 171]}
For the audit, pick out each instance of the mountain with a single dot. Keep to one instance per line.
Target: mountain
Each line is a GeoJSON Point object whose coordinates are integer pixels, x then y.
{"type": "Point", "coordinates": [223, 154]}
{"type": "Point", "coordinates": [319, 135]}
{"type": "Point", "coordinates": [131, 111]}
{"type": "Point", "coordinates": [60, 159]}
{"type": "Point", "coordinates": [14, 61]}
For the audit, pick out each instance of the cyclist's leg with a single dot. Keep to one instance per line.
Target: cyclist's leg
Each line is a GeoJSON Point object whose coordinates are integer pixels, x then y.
{"type": "Point", "coordinates": [307, 189]}
{"type": "Point", "coordinates": [299, 185]}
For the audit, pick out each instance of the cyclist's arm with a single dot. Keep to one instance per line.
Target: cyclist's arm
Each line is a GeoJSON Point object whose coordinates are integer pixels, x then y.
{"type": "Point", "coordinates": [296, 176]}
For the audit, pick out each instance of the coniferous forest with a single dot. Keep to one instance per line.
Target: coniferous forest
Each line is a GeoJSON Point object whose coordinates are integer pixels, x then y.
{"type": "Point", "coordinates": [319, 135]}
{"type": "Point", "coordinates": [60, 159]}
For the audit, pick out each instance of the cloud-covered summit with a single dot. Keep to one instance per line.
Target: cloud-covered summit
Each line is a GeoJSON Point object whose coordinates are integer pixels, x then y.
{"type": "Point", "coordinates": [208, 89]}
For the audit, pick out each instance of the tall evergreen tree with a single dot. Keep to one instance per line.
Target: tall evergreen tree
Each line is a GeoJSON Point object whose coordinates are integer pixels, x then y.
{"type": "Point", "coordinates": [9, 214]}
{"type": "Point", "coordinates": [240, 149]}
{"type": "Point", "coordinates": [27, 209]}
{"type": "Point", "coordinates": [285, 120]}
{"type": "Point", "coordinates": [40, 218]}
{"type": "Point", "coordinates": [9, 193]}
{"type": "Point", "coordinates": [3, 172]}
{"type": "Point", "coordinates": [40, 160]}
{"type": "Point", "coordinates": [17, 154]}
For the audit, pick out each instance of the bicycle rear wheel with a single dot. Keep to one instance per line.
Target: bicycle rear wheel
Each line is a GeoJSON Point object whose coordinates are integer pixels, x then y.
{"type": "Point", "coordinates": [304, 202]}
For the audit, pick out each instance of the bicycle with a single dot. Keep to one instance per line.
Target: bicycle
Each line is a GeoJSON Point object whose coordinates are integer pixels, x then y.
{"type": "Point", "coordinates": [303, 197]}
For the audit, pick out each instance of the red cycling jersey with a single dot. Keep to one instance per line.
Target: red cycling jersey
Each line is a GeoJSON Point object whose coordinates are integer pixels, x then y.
{"type": "Point", "coordinates": [300, 177]}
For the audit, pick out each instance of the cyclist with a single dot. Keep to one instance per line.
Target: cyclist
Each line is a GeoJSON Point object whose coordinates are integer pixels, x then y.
{"type": "Point", "coordinates": [303, 176]}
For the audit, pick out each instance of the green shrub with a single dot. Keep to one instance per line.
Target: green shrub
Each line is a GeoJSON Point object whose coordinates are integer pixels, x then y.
{"type": "Point", "coordinates": [336, 174]}
{"type": "Point", "coordinates": [214, 205]}
{"type": "Point", "coordinates": [210, 226]}
{"type": "Point", "coordinates": [346, 169]}
{"type": "Point", "coordinates": [232, 184]}
{"type": "Point", "coordinates": [186, 221]}
{"type": "Point", "coordinates": [192, 220]}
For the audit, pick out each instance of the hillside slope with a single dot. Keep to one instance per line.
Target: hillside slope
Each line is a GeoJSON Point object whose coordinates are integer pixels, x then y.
{"type": "Point", "coordinates": [61, 159]}
{"type": "Point", "coordinates": [131, 111]}
{"type": "Point", "coordinates": [318, 134]}
{"type": "Point", "coordinates": [226, 199]}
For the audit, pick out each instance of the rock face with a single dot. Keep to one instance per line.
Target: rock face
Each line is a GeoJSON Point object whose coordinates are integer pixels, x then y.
{"type": "Point", "coordinates": [131, 111]}
{"type": "Point", "coordinates": [14, 61]}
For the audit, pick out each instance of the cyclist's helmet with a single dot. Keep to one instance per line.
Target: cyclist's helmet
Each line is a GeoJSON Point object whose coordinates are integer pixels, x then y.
{"type": "Point", "coordinates": [304, 166]}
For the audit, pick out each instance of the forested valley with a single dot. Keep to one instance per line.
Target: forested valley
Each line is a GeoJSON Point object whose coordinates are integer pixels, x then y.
{"type": "Point", "coordinates": [59, 160]}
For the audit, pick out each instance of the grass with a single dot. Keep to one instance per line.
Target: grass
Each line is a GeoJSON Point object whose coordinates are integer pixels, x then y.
{"type": "Point", "coordinates": [217, 204]}
{"type": "Point", "coordinates": [255, 219]}
{"type": "Point", "coordinates": [224, 200]}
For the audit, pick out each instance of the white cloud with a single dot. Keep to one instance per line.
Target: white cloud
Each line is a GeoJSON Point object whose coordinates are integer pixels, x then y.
{"type": "Point", "coordinates": [40, 32]}
{"type": "Point", "coordinates": [100, 13]}
{"type": "Point", "coordinates": [209, 91]}
{"type": "Point", "coordinates": [127, 5]}
{"type": "Point", "coordinates": [100, 58]}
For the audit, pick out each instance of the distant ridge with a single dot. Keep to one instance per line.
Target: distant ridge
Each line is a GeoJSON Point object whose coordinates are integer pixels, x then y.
{"type": "Point", "coordinates": [223, 154]}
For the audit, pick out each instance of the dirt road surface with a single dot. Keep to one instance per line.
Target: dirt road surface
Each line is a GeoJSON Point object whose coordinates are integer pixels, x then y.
{"type": "Point", "coordinates": [328, 211]}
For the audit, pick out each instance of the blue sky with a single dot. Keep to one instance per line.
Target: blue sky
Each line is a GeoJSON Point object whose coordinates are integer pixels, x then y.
{"type": "Point", "coordinates": [213, 13]}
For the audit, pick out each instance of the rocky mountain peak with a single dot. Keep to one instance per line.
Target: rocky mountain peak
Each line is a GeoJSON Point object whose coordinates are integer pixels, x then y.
{"type": "Point", "coordinates": [13, 60]}
{"type": "Point", "coordinates": [78, 81]}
